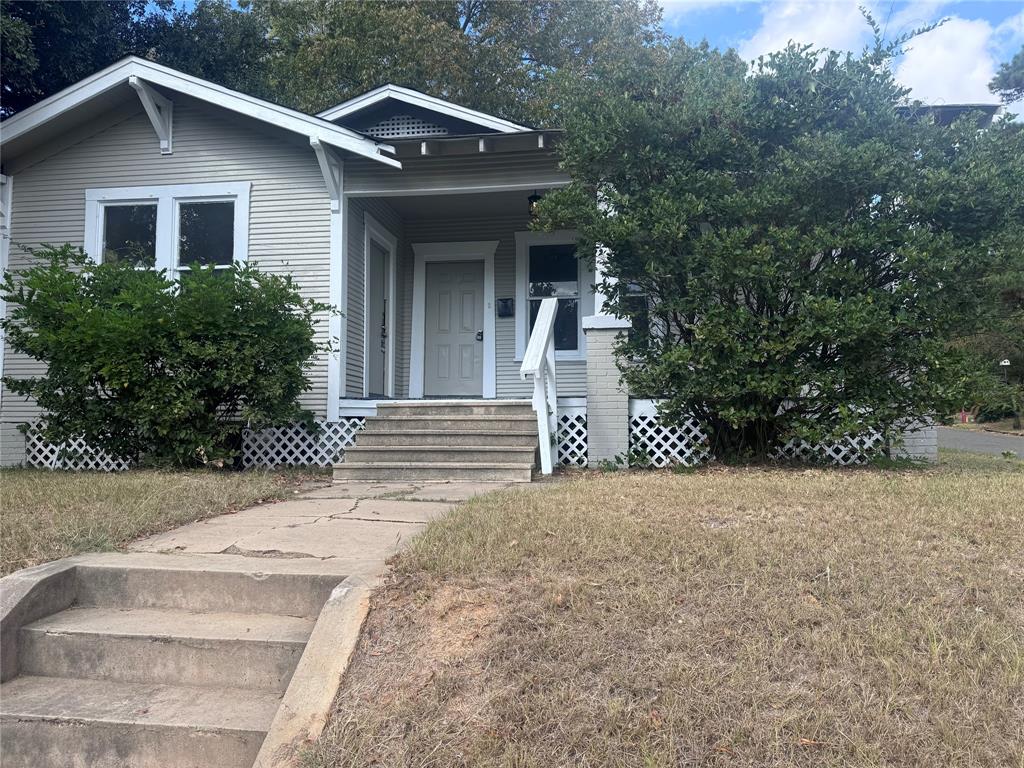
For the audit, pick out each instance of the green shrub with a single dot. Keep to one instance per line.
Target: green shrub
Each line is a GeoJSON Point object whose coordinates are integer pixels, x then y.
{"type": "Point", "coordinates": [149, 368]}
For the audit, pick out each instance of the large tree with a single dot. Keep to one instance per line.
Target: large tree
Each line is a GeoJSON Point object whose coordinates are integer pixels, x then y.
{"type": "Point", "coordinates": [492, 55]}
{"type": "Point", "coordinates": [796, 251]}
{"type": "Point", "coordinates": [1009, 80]}
{"type": "Point", "coordinates": [46, 45]}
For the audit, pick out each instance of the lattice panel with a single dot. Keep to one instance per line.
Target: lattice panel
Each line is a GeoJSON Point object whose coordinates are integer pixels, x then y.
{"type": "Point", "coordinates": [686, 445]}
{"type": "Point", "coordinates": [75, 456]}
{"type": "Point", "coordinates": [405, 126]}
{"type": "Point", "coordinates": [846, 452]}
{"type": "Point", "coordinates": [572, 439]}
{"type": "Point", "coordinates": [296, 446]}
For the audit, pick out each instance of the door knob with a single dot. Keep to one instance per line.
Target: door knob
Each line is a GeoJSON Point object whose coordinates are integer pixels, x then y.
{"type": "Point", "coordinates": [479, 335]}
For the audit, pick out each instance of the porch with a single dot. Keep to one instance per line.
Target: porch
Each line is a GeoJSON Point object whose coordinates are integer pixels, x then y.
{"type": "Point", "coordinates": [440, 295]}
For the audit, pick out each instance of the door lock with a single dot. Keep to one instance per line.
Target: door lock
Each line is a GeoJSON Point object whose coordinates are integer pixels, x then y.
{"type": "Point", "coordinates": [479, 335]}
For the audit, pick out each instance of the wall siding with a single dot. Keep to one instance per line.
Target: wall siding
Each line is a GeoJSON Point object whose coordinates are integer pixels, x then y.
{"type": "Point", "coordinates": [289, 218]}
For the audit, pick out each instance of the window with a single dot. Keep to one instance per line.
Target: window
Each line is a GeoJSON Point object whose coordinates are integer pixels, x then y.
{"type": "Point", "coordinates": [129, 232]}
{"type": "Point", "coordinates": [547, 267]}
{"type": "Point", "coordinates": [170, 228]}
{"type": "Point", "coordinates": [554, 271]}
{"type": "Point", "coordinates": [206, 233]}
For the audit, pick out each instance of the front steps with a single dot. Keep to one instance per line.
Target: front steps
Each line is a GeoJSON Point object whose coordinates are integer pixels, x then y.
{"type": "Point", "coordinates": [168, 661]}
{"type": "Point", "coordinates": [483, 441]}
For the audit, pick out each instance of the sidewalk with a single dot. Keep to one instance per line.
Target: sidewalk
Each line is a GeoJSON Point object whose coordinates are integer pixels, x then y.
{"type": "Point", "coordinates": [361, 524]}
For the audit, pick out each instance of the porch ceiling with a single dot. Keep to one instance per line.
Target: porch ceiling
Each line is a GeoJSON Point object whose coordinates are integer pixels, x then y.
{"type": "Point", "coordinates": [465, 205]}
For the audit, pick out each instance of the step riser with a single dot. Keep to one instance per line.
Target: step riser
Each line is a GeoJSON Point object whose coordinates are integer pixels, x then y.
{"type": "Point", "coordinates": [179, 661]}
{"type": "Point", "coordinates": [427, 409]}
{"type": "Point", "coordinates": [441, 439]}
{"type": "Point", "coordinates": [363, 454]}
{"type": "Point", "coordinates": [353, 472]}
{"type": "Point", "coordinates": [67, 744]}
{"type": "Point", "coordinates": [439, 423]}
{"type": "Point", "coordinates": [205, 591]}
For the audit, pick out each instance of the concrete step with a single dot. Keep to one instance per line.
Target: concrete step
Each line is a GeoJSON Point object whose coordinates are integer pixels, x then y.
{"type": "Point", "coordinates": [208, 583]}
{"type": "Point", "coordinates": [50, 722]}
{"type": "Point", "coordinates": [233, 650]}
{"type": "Point", "coordinates": [439, 454]}
{"type": "Point", "coordinates": [460, 423]}
{"type": "Point", "coordinates": [433, 471]}
{"type": "Point", "coordinates": [455, 408]}
{"type": "Point", "coordinates": [440, 437]}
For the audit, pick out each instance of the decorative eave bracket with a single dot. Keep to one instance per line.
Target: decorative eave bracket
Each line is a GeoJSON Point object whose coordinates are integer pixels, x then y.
{"type": "Point", "coordinates": [333, 169]}
{"type": "Point", "coordinates": [160, 111]}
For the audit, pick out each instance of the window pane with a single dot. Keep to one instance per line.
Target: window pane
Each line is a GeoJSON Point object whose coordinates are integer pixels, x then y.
{"type": "Point", "coordinates": [554, 270]}
{"type": "Point", "coordinates": [129, 233]}
{"type": "Point", "coordinates": [206, 233]}
{"type": "Point", "coordinates": [566, 323]}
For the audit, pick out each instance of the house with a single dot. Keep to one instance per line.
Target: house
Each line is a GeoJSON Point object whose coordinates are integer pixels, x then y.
{"type": "Point", "coordinates": [408, 213]}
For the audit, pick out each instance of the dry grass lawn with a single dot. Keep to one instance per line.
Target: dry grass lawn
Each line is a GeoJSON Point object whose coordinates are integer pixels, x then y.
{"type": "Point", "coordinates": [728, 617]}
{"type": "Point", "coordinates": [46, 515]}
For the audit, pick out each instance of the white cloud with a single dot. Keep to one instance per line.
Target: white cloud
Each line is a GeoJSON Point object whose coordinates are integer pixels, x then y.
{"type": "Point", "coordinates": [953, 63]}
{"type": "Point", "coordinates": [837, 25]}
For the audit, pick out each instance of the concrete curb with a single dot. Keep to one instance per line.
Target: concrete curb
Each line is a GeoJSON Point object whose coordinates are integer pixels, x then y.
{"type": "Point", "coordinates": [306, 706]}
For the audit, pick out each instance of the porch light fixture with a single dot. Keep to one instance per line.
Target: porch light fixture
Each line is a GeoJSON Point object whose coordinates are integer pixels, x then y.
{"type": "Point", "coordinates": [533, 200]}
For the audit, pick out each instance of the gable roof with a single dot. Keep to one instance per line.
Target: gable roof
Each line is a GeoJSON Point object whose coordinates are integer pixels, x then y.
{"type": "Point", "coordinates": [421, 101]}
{"type": "Point", "coordinates": [117, 74]}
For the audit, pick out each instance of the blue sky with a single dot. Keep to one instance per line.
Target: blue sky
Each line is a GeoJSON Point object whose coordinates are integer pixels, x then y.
{"type": "Point", "coordinates": [952, 63]}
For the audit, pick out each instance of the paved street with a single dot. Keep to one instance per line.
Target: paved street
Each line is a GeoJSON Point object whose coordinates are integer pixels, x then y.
{"type": "Point", "coordinates": [980, 442]}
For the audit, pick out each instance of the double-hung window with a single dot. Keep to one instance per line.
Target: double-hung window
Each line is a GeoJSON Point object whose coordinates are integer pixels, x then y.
{"type": "Point", "coordinates": [548, 267]}
{"type": "Point", "coordinates": [173, 228]}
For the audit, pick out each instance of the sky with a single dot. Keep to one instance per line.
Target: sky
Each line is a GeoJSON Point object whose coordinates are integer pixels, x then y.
{"type": "Point", "coordinates": [951, 64]}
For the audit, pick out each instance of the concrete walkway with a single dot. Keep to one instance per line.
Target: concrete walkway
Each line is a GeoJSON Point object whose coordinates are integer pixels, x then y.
{"type": "Point", "coordinates": [360, 524]}
{"type": "Point", "coordinates": [993, 443]}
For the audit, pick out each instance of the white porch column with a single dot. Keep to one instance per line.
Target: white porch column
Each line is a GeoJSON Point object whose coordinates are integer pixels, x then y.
{"type": "Point", "coordinates": [333, 170]}
{"type": "Point", "coordinates": [607, 397]}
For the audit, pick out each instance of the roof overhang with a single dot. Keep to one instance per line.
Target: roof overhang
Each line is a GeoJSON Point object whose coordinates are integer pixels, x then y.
{"type": "Point", "coordinates": [423, 101]}
{"type": "Point", "coordinates": [133, 69]}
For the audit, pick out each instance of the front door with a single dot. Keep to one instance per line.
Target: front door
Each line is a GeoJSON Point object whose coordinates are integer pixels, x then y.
{"type": "Point", "coordinates": [377, 321]}
{"type": "Point", "coordinates": [453, 359]}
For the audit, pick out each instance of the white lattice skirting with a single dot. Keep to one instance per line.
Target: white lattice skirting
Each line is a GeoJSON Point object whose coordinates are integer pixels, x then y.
{"type": "Point", "coordinates": [75, 455]}
{"type": "Point", "coordinates": [572, 436]}
{"type": "Point", "coordinates": [687, 445]}
{"type": "Point", "coordinates": [296, 446]}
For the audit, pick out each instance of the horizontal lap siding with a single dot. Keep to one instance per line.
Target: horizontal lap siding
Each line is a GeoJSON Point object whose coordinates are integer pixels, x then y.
{"type": "Point", "coordinates": [355, 311]}
{"type": "Point", "coordinates": [289, 216]}
{"type": "Point", "coordinates": [571, 374]}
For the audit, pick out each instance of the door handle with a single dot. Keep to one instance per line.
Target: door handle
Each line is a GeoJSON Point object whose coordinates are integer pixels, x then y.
{"type": "Point", "coordinates": [479, 335]}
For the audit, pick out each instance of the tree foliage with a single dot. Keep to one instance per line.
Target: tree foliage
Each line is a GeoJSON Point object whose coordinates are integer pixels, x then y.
{"type": "Point", "coordinates": [796, 253]}
{"type": "Point", "coordinates": [167, 370]}
{"type": "Point", "coordinates": [491, 55]}
{"type": "Point", "coordinates": [46, 45]}
{"type": "Point", "coordinates": [1009, 79]}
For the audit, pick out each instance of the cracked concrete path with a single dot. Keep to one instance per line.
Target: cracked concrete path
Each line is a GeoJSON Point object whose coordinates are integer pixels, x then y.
{"type": "Point", "coordinates": [359, 523]}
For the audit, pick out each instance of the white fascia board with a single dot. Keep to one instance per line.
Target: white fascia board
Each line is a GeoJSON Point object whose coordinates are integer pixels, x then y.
{"type": "Point", "coordinates": [157, 74]}
{"type": "Point", "coordinates": [424, 101]}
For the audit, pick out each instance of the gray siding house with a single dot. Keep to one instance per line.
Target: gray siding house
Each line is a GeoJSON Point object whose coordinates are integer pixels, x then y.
{"type": "Point", "coordinates": [408, 213]}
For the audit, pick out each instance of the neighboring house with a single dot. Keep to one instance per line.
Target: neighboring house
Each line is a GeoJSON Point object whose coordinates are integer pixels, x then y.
{"type": "Point", "coordinates": [408, 213]}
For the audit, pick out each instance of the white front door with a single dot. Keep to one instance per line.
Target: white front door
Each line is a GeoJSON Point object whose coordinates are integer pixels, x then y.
{"type": "Point", "coordinates": [453, 354]}
{"type": "Point", "coordinates": [377, 328]}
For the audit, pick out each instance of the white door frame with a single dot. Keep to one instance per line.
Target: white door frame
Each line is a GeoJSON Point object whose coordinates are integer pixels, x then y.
{"type": "Point", "coordinates": [480, 250]}
{"type": "Point", "coordinates": [374, 231]}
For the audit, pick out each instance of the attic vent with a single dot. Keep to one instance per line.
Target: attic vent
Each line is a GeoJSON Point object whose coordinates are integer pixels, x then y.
{"type": "Point", "coordinates": [405, 126]}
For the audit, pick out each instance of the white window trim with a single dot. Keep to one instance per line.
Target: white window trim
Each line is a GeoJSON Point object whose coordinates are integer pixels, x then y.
{"type": "Point", "coordinates": [467, 251]}
{"type": "Point", "coordinates": [167, 199]}
{"type": "Point", "coordinates": [585, 277]}
{"type": "Point", "coordinates": [374, 232]}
